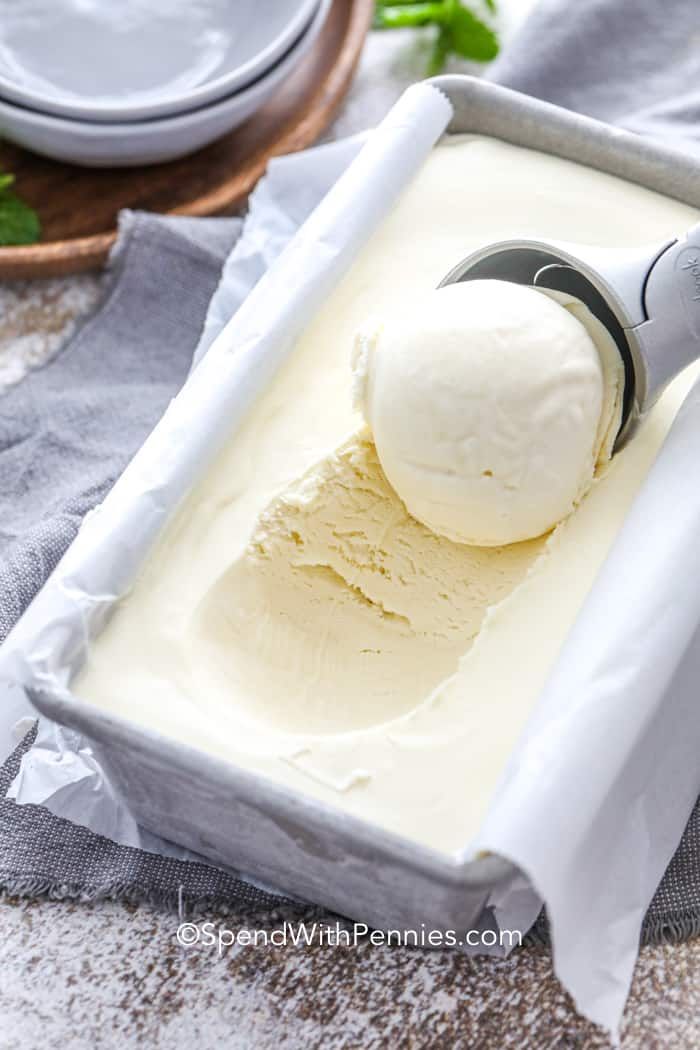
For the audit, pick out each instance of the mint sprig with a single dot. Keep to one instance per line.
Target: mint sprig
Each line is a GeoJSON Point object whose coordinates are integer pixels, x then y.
{"type": "Point", "coordinates": [459, 30]}
{"type": "Point", "coordinates": [19, 224]}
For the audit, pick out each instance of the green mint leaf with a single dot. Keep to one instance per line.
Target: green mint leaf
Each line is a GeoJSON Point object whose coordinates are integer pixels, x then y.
{"type": "Point", "coordinates": [469, 36]}
{"type": "Point", "coordinates": [459, 30]}
{"type": "Point", "coordinates": [19, 224]}
{"type": "Point", "coordinates": [6, 180]}
{"type": "Point", "coordinates": [439, 53]}
{"type": "Point", "coordinates": [405, 15]}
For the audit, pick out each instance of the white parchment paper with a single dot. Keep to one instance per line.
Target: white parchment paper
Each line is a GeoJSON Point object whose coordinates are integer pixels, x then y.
{"type": "Point", "coordinates": [599, 788]}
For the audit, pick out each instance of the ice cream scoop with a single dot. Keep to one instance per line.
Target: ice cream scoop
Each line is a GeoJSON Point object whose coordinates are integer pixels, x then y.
{"type": "Point", "coordinates": [649, 302]}
{"type": "Point", "coordinates": [491, 406]}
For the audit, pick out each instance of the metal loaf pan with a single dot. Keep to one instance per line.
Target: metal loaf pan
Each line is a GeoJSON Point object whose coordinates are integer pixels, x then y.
{"type": "Point", "coordinates": [286, 839]}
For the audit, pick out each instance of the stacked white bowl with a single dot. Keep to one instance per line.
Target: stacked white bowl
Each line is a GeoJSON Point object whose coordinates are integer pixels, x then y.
{"type": "Point", "coordinates": [105, 83]}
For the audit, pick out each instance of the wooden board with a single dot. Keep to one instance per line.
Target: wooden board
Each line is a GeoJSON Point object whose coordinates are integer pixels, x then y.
{"type": "Point", "coordinates": [78, 206]}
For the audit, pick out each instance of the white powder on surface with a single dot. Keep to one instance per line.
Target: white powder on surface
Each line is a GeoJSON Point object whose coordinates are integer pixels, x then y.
{"type": "Point", "coordinates": [36, 319]}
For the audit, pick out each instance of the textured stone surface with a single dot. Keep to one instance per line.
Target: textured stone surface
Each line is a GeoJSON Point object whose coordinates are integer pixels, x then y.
{"type": "Point", "coordinates": [36, 318]}
{"type": "Point", "coordinates": [107, 975]}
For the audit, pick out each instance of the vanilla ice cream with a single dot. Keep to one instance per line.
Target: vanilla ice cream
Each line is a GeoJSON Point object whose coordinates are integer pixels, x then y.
{"type": "Point", "coordinates": [491, 405]}
{"type": "Point", "coordinates": [296, 621]}
{"type": "Point", "coordinates": [337, 557]}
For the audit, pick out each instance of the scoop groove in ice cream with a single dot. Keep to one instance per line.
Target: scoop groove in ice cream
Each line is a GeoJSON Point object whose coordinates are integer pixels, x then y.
{"type": "Point", "coordinates": [337, 559]}
{"type": "Point", "coordinates": [491, 405]}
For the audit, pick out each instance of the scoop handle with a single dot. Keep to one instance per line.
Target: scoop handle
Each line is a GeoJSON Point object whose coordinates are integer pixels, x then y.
{"type": "Point", "coordinates": [670, 335]}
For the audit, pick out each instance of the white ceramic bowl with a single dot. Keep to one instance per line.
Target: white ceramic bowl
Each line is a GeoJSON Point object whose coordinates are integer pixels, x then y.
{"type": "Point", "coordinates": [99, 145]}
{"type": "Point", "coordinates": [103, 60]}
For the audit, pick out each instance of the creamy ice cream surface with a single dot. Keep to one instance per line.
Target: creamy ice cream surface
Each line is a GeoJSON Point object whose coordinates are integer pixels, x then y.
{"type": "Point", "coordinates": [297, 621]}
{"type": "Point", "coordinates": [491, 405]}
{"type": "Point", "coordinates": [345, 601]}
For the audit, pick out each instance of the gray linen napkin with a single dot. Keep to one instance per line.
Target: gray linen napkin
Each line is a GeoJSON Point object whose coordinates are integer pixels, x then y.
{"type": "Point", "coordinates": [631, 62]}
{"type": "Point", "coordinates": [68, 430]}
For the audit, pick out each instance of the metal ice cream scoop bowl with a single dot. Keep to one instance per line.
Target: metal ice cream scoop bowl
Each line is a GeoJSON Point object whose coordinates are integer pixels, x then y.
{"type": "Point", "coordinates": [649, 302]}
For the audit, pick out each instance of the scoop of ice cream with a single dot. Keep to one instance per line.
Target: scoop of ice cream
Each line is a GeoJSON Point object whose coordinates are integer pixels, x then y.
{"type": "Point", "coordinates": [491, 405]}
